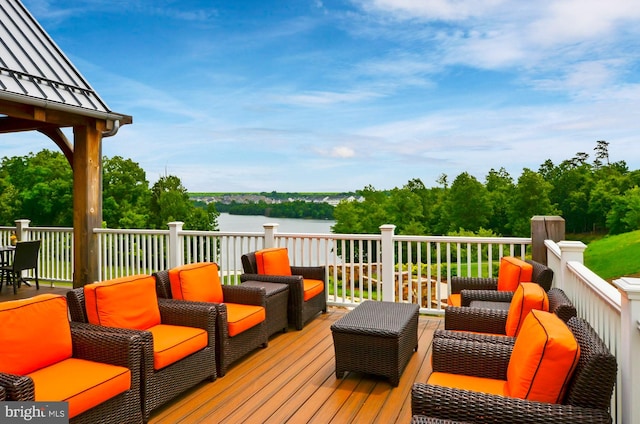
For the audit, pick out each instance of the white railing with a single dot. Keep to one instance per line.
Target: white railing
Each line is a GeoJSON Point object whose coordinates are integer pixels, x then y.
{"type": "Point", "coordinates": [358, 266]}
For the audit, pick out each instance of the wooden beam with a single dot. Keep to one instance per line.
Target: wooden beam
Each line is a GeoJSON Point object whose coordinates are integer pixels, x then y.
{"type": "Point", "coordinates": [87, 201]}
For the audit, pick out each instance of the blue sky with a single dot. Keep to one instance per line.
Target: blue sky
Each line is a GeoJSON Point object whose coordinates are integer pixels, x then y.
{"type": "Point", "coordinates": [329, 95]}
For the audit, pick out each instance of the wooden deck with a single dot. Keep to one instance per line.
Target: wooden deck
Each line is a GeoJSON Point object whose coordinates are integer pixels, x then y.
{"type": "Point", "coordinates": [293, 381]}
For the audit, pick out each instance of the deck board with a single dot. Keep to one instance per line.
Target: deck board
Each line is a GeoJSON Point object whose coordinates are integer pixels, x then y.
{"type": "Point", "coordinates": [293, 381]}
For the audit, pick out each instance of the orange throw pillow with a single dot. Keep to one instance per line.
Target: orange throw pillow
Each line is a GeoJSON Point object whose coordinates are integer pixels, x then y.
{"type": "Point", "coordinates": [273, 261]}
{"type": "Point", "coordinates": [513, 271]}
{"type": "Point", "coordinates": [34, 333]}
{"type": "Point", "coordinates": [199, 282]}
{"type": "Point", "coordinates": [126, 302]}
{"type": "Point", "coordinates": [527, 296]}
{"type": "Point", "coordinates": [544, 357]}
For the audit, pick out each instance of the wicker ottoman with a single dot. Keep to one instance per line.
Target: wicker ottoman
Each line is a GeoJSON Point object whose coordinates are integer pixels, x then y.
{"type": "Point", "coordinates": [376, 338]}
{"type": "Point", "coordinates": [277, 299]}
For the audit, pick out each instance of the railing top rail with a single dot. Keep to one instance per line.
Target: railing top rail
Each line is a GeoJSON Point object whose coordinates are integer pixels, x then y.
{"type": "Point", "coordinates": [597, 284]}
{"type": "Point", "coordinates": [459, 239]}
{"type": "Point", "coordinates": [330, 236]}
{"type": "Point", "coordinates": [128, 231]}
{"type": "Point", "coordinates": [221, 233]}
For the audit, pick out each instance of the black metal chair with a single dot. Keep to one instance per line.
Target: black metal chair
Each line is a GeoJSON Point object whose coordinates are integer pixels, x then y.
{"type": "Point", "coordinates": [25, 258]}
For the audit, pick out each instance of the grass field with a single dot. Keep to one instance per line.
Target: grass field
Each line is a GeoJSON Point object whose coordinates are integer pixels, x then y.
{"type": "Point", "coordinates": [614, 256]}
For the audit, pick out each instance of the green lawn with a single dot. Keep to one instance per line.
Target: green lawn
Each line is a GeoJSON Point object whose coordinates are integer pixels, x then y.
{"type": "Point", "coordinates": [614, 256]}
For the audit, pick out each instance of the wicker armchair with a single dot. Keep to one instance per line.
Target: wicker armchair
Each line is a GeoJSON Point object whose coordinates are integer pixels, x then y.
{"type": "Point", "coordinates": [586, 399]}
{"type": "Point", "coordinates": [299, 311]}
{"type": "Point", "coordinates": [493, 321]}
{"type": "Point", "coordinates": [486, 289]}
{"type": "Point", "coordinates": [228, 348]}
{"type": "Point", "coordinates": [114, 348]}
{"type": "Point", "coordinates": [161, 385]}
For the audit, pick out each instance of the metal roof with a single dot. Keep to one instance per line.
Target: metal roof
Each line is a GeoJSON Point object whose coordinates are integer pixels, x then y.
{"type": "Point", "coordinates": [35, 71]}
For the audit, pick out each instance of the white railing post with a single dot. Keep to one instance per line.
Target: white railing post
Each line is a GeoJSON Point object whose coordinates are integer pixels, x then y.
{"type": "Point", "coordinates": [570, 251]}
{"type": "Point", "coordinates": [387, 281]}
{"type": "Point", "coordinates": [270, 231]}
{"type": "Point", "coordinates": [21, 229]}
{"type": "Point", "coordinates": [175, 250]}
{"type": "Point", "coordinates": [629, 289]}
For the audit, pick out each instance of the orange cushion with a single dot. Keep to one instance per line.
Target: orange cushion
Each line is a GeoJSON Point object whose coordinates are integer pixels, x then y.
{"type": "Point", "coordinates": [126, 302]}
{"type": "Point", "coordinates": [197, 282]}
{"type": "Point", "coordinates": [34, 333]}
{"type": "Point", "coordinates": [468, 382]}
{"type": "Point", "coordinates": [544, 357]}
{"type": "Point", "coordinates": [312, 288]}
{"type": "Point", "coordinates": [172, 343]}
{"type": "Point", "coordinates": [273, 261]}
{"type": "Point", "coordinates": [527, 296]}
{"type": "Point", "coordinates": [513, 271]}
{"type": "Point", "coordinates": [242, 317]}
{"type": "Point", "coordinates": [84, 384]}
{"type": "Point", "coordinates": [454, 300]}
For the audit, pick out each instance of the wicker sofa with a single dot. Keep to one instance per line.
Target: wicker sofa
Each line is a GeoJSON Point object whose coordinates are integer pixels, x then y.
{"type": "Point", "coordinates": [229, 348]}
{"type": "Point", "coordinates": [299, 310]}
{"type": "Point", "coordinates": [586, 399]}
{"type": "Point", "coordinates": [96, 373]}
{"type": "Point", "coordinates": [159, 385]}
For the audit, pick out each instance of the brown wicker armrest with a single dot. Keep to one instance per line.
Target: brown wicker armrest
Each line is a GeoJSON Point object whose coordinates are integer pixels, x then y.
{"type": "Point", "coordinates": [480, 320]}
{"type": "Point", "coordinates": [488, 360]}
{"type": "Point", "coordinates": [188, 314]}
{"type": "Point", "coordinates": [115, 348]}
{"type": "Point", "coordinates": [481, 408]}
{"type": "Point", "coordinates": [474, 337]}
{"type": "Point", "coordinates": [294, 281]}
{"type": "Point", "coordinates": [309, 272]}
{"type": "Point", "coordinates": [17, 387]}
{"type": "Point", "coordinates": [3, 393]}
{"type": "Point", "coordinates": [467, 296]}
{"type": "Point", "coordinates": [245, 295]}
{"type": "Point", "coordinates": [560, 304]}
{"type": "Point", "coordinates": [473, 283]}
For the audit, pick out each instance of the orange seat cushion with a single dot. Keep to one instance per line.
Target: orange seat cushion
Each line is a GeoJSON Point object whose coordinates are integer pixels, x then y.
{"type": "Point", "coordinates": [242, 317]}
{"type": "Point", "coordinates": [173, 342]}
{"type": "Point", "coordinates": [454, 299]}
{"type": "Point", "coordinates": [198, 282]}
{"type": "Point", "coordinates": [513, 271]}
{"type": "Point", "coordinates": [468, 382]}
{"type": "Point", "coordinates": [34, 333]}
{"type": "Point", "coordinates": [273, 261]}
{"type": "Point", "coordinates": [544, 357]}
{"type": "Point", "coordinates": [84, 384]}
{"type": "Point", "coordinates": [312, 288]}
{"type": "Point", "coordinates": [127, 302]}
{"type": "Point", "coordinates": [527, 296]}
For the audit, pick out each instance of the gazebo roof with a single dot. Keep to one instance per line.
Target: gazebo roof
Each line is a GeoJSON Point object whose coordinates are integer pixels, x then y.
{"type": "Point", "coordinates": [34, 71]}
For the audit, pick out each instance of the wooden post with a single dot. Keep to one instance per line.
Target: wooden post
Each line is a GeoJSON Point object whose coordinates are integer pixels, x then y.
{"type": "Point", "coordinates": [270, 230]}
{"type": "Point", "coordinates": [176, 249]}
{"type": "Point", "coordinates": [545, 228]}
{"type": "Point", "coordinates": [87, 201]}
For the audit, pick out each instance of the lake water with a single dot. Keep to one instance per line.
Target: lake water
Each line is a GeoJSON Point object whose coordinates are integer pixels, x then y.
{"type": "Point", "coordinates": [254, 223]}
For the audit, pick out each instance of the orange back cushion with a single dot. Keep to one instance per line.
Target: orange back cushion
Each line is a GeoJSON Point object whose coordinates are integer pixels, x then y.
{"type": "Point", "coordinates": [197, 282]}
{"type": "Point", "coordinates": [34, 333]}
{"type": "Point", "coordinates": [126, 302]}
{"type": "Point", "coordinates": [513, 271]}
{"type": "Point", "coordinates": [544, 357]}
{"type": "Point", "coordinates": [273, 261]}
{"type": "Point", "coordinates": [527, 296]}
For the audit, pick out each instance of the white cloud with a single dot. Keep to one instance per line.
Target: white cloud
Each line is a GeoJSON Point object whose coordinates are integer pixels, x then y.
{"type": "Point", "coordinates": [342, 152]}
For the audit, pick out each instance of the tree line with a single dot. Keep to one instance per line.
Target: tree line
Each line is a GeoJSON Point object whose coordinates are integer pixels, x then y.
{"type": "Point", "coordinates": [39, 187]}
{"type": "Point", "coordinates": [292, 209]}
{"type": "Point", "coordinates": [591, 195]}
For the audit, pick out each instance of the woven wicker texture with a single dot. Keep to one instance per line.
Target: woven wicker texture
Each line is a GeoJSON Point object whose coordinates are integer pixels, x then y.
{"type": "Point", "coordinates": [587, 399]}
{"type": "Point", "coordinates": [106, 347]}
{"type": "Point", "coordinates": [298, 311]}
{"type": "Point", "coordinates": [159, 386]}
{"type": "Point", "coordinates": [376, 338]}
{"type": "Point", "coordinates": [277, 300]}
{"type": "Point", "coordinates": [228, 349]}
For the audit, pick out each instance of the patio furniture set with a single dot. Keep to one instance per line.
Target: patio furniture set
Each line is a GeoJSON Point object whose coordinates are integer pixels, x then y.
{"type": "Point", "coordinates": [134, 343]}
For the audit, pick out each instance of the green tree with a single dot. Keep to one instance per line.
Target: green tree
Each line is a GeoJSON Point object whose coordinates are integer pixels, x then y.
{"type": "Point", "coordinates": [500, 187]}
{"type": "Point", "coordinates": [468, 204]}
{"type": "Point", "coordinates": [530, 198]}
{"type": "Point", "coordinates": [170, 202]}
{"type": "Point", "coordinates": [624, 215]}
{"type": "Point", "coordinates": [125, 194]}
